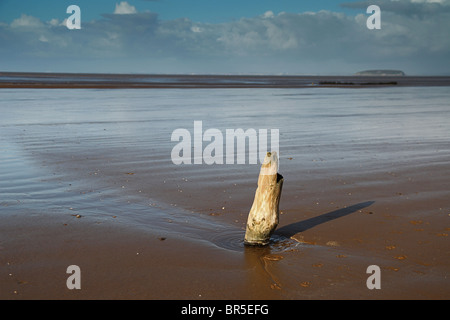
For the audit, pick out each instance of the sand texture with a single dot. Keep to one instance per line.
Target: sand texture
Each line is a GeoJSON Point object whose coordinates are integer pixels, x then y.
{"type": "Point", "coordinates": [86, 179]}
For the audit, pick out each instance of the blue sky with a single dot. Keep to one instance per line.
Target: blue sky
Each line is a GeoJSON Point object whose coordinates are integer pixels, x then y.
{"type": "Point", "coordinates": [212, 36]}
{"type": "Point", "coordinates": [211, 11]}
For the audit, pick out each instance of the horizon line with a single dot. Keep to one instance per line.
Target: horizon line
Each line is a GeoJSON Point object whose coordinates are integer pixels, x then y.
{"type": "Point", "coordinates": [227, 74]}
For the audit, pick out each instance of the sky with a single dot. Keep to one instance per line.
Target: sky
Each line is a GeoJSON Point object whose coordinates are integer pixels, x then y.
{"type": "Point", "coordinates": [321, 37]}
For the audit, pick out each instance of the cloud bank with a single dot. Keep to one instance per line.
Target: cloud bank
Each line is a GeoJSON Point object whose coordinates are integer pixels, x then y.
{"type": "Point", "coordinates": [413, 37]}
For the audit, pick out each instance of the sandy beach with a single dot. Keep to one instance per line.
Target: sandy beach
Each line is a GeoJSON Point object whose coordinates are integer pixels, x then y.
{"type": "Point", "coordinates": [86, 179]}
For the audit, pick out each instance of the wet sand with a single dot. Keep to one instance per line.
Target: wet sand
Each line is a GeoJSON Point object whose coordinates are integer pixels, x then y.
{"type": "Point", "coordinates": [140, 227]}
{"type": "Point", "coordinates": [402, 229]}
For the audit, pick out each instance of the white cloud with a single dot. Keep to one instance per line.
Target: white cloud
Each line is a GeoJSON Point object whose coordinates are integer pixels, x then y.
{"type": "Point", "coordinates": [43, 38]}
{"type": "Point", "coordinates": [54, 22]}
{"type": "Point", "coordinates": [27, 22]}
{"type": "Point", "coordinates": [124, 8]}
{"type": "Point", "coordinates": [268, 14]}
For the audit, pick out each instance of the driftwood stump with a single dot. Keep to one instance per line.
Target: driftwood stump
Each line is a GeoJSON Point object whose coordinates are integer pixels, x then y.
{"type": "Point", "coordinates": [264, 213]}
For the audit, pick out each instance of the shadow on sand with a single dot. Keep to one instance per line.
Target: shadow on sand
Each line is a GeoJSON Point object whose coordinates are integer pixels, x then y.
{"type": "Point", "coordinates": [294, 228]}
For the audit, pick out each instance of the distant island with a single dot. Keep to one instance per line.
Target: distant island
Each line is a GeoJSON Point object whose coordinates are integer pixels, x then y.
{"type": "Point", "coordinates": [380, 73]}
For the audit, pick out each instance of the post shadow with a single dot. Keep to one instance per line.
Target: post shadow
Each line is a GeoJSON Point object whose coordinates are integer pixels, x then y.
{"type": "Point", "coordinates": [296, 227]}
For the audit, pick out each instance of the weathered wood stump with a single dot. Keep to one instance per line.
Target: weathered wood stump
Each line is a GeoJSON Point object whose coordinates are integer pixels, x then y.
{"type": "Point", "coordinates": [264, 213]}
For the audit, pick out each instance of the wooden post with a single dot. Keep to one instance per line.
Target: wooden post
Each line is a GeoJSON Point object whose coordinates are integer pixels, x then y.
{"type": "Point", "coordinates": [263, 217]}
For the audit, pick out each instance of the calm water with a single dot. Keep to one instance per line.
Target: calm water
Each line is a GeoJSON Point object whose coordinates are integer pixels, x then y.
{"type": "Point", "coordinates": [305, 117]}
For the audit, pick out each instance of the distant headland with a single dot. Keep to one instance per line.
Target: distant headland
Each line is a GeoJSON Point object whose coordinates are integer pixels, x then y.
{"type": "Point", "coordinates": [380, 73]}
